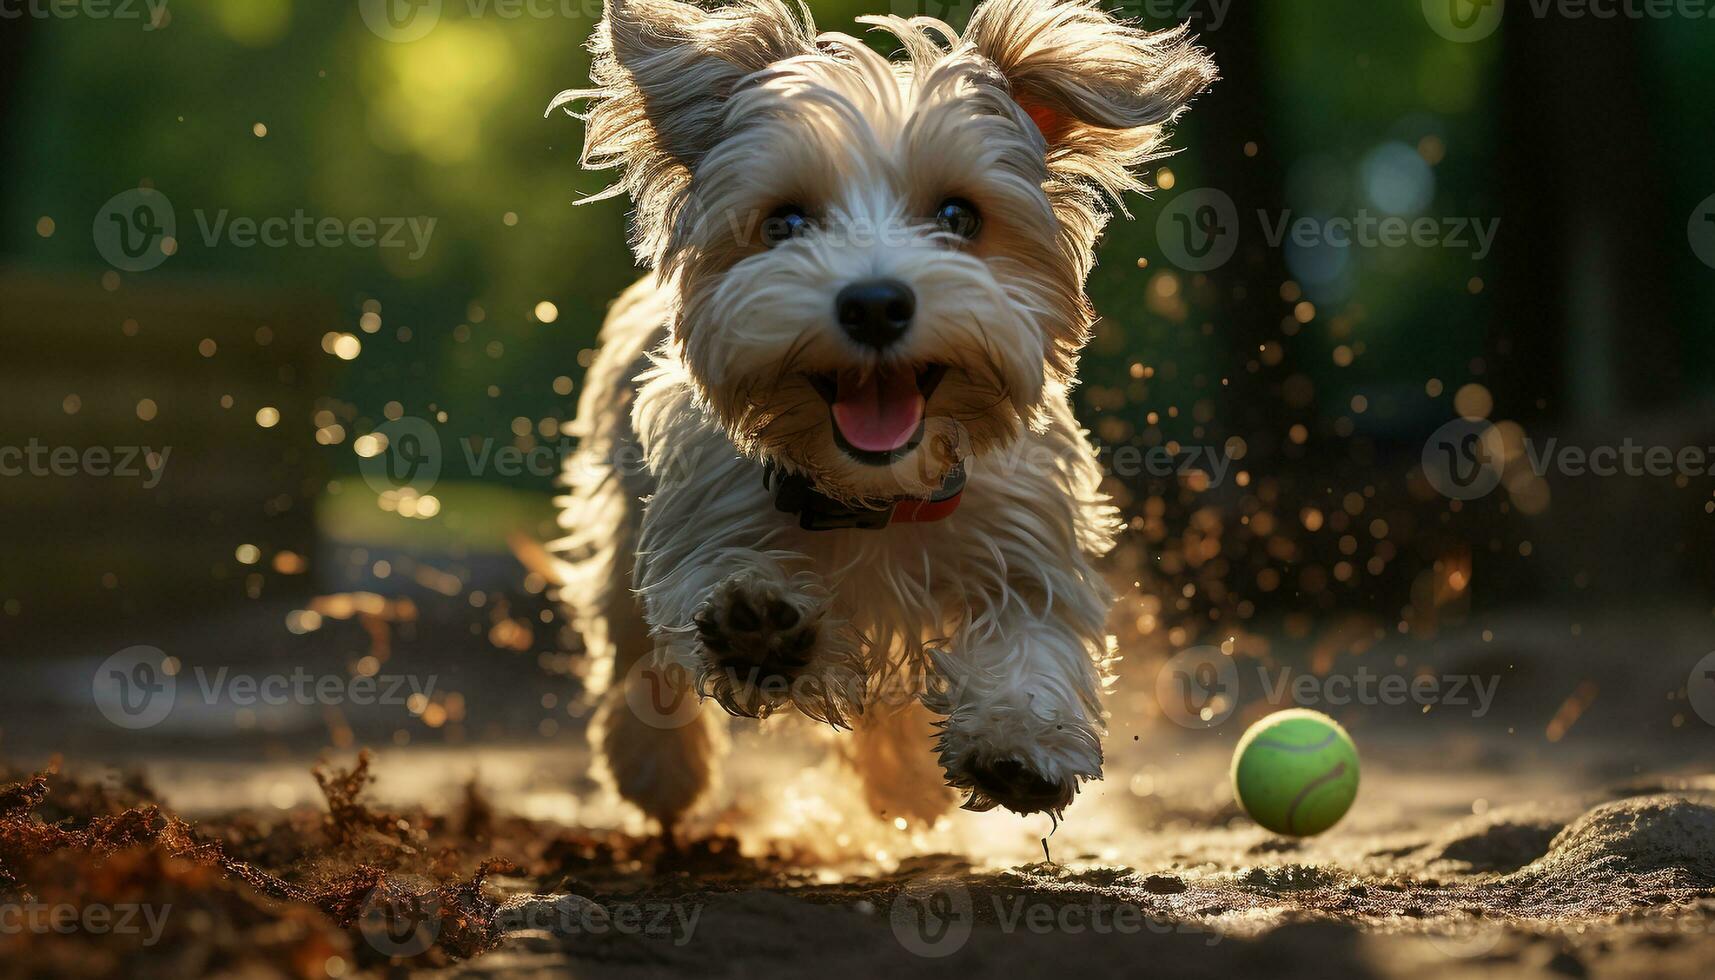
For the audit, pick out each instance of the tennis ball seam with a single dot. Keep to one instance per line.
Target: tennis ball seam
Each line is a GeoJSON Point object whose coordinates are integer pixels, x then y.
{"type": "Point", "coordinates": [1319, 765]}
{"type": "Point", "coordinates": [1312, 786]}
{"type": "Point", "coordinates": [1327, 740]}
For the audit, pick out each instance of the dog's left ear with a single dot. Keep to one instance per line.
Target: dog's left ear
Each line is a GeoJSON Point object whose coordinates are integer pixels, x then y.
{"type": "Point", "coordinates": [1099, 90]}
{"type": "Point", "coordinates": [680, 61]}
{"type": "Point", "coordinates": [663, 71]}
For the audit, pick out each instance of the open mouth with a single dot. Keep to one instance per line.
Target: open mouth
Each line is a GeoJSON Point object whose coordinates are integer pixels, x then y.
{"type": "Point", "coordinates": [878, 415]}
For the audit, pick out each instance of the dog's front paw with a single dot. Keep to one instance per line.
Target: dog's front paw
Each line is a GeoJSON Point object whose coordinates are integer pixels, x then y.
{"type": "Point", "coordinates": [751, 625]}
{"type": "Point", "coordinates": [1013, 784]}
{"type": "Point", "coordinates": [1028, 768]}
{"type": "Point", "coordinates": [766, 645]}
{"type": "Point", "coordinates": [1012, 742]}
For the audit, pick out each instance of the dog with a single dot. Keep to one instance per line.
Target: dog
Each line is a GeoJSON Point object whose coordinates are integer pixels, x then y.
{"type": "Point", "coordinates": [827, 459]}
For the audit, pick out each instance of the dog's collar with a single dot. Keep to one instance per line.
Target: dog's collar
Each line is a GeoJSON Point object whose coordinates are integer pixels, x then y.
{"type": "Point", "coordinates": [795, 494]}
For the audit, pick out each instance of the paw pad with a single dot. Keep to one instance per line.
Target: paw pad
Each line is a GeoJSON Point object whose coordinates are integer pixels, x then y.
{"type": "Point", "coordinates": [1014, 785]}
{"type": "Point", "coordinates": [753, 627]}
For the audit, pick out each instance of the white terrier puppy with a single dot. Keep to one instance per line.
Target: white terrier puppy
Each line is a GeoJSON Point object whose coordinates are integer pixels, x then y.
{"type": "Point", "coordinates": [827, 457]}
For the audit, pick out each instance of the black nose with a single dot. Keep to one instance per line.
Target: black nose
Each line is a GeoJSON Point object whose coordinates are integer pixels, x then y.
{"type": "Point", "coordinates": [876, 312]}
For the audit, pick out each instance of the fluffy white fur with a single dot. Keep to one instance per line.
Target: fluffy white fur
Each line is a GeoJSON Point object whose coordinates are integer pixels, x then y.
{"type": "Point", "coordinates": [676, 564]}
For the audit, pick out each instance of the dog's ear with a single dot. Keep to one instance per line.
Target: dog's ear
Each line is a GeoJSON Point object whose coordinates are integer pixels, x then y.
{"type": "Point", "coordinates": [683, 60]}
{"type": "Point", "coordinates": [663, 71]}
{"type": "Point", "coordinates": [1099, 90]}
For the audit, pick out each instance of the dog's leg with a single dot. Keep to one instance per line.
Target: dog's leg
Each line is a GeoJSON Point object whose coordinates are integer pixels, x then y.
{"type": "Point", "coordinates": [1023, 720]}
{"type": "Point", "coordinates": [725, 595]}
{"type": "Point", "coordinates": [657, 743]}
{"type": "Point", "coordinates": [1020, 680]}
{"type": "Point", "coordinates": [887, 747]}
{"type": "Point", "coordinates": [652, 741]}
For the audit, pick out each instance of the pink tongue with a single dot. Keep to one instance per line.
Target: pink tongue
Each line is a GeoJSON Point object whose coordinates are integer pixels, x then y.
{"type": "Point", "coordinates": [882, 413]}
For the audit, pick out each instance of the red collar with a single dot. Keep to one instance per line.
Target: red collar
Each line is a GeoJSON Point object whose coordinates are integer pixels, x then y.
{"type": "Point", "coordinates": [795, 494]}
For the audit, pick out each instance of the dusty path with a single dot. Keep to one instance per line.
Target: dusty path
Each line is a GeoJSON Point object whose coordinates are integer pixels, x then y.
{"type": "Point", "coordinates": [1569, 831]}
{"type": "Point", "coordinates": [1560, 874]}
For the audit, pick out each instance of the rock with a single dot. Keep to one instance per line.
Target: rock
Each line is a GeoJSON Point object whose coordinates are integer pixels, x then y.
{"type": "Point", "coordinates": [1288, 878]}
{"type": "Point", "coordinates": [1163, 884]}
{"type": "Point", "coordinates": [1636, 836]}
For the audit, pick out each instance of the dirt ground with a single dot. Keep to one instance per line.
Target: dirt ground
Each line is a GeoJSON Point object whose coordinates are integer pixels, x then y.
{"type": "Point", "coordinates": [1567, 829]}
{"type": "Point", "coordinates": [1618, 882]}
{"type": "Point", "coordinates": [1609, 884]}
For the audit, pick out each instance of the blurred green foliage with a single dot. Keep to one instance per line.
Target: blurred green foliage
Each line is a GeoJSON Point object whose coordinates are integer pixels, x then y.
{"type": "Point", "coordinates": [266, 108]}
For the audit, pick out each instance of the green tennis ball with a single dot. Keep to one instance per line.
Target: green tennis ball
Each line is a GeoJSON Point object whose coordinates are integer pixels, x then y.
{"type": "Point", "coordinates": [1296, 772]}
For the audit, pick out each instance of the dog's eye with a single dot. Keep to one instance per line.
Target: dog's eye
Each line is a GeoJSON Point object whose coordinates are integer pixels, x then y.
{"type": "Point", "coordinates": [787, 222]}
{"type": "Point", "coordinates": [960, 217]}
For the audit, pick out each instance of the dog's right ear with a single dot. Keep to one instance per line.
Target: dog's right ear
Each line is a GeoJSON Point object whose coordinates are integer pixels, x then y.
{"type": "Point", "coordinates": [1100, 89]}
{"type": "Point", "coordinates": [663, 71]}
